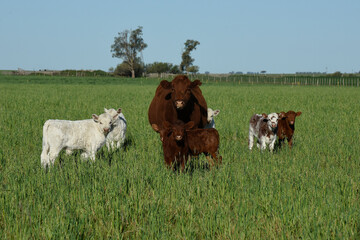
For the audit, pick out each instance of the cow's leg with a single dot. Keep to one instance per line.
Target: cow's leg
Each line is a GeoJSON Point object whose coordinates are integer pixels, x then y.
{"type": "Point", "coordinates": [68, 151]}
{"type": "Point", "coordinates": [84, 155]}
{"type": "Point", "coordinates": [210, 160]}
{"type": "Point", "coordinates": [262, 143]}
{"type": "Point", "coordinates": [251, 139]}
{"type": "Point", "coordinates": [290, 141]}
{"type": "Point", "coordinates": [272, 145]}
{"type": "Point", "coordinates": [53, 154]}
{"type": "Point", "coordinates": [108, 145]}
{"type": "Point", "coordinates": [45, 157]}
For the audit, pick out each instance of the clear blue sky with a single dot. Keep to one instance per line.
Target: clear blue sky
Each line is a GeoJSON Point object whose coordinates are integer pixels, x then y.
{"type": "Point", "coordinates": [279, 36]}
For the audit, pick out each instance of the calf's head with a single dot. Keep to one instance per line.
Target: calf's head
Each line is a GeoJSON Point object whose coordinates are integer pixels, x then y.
{"type": "Point", "coordinates": [290, 117]}
{"type": "Point", "coordinates": [177, 130]}
{"type": "Point", "coordinates": [104, 122]}
{"type": "Point", "coordinates": [181, 88]}
{"type": "Point", "coordinates": [113, 113]}
{"type": "Point", "coordinates": [212, 114]}
{"type": "Point", "coordinates": [271, 119]}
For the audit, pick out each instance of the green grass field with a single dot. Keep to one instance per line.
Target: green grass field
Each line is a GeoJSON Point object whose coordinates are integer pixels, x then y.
{"type": "Point", "coordinates": [309, 192]}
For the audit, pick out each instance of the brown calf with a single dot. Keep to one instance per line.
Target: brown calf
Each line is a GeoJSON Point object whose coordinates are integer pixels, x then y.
{"type": "Point", "coordinates": [204, 141]}
{"type": "Point", "coordinates": [174, 141]}
{"type": "Point", "coordinates": [286, 127]}
{"type": "Point", "coordinates": [178, 136]}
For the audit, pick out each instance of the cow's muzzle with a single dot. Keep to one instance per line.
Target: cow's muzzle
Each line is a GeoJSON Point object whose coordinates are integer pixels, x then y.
{"type": "Point", "coordinates": [179, 104]}
{"type": "Point", "coordinates": [178, 138]}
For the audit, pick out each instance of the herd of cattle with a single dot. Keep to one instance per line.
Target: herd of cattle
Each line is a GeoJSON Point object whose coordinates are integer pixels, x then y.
{"type": "Point", "coordinates": [179, 113]}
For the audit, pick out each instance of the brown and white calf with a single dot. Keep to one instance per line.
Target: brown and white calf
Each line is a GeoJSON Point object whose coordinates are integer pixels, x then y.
{"type": "Point", "coordinates": [286, 127]}
{"type": "Point", "coordinates": [264, 128]}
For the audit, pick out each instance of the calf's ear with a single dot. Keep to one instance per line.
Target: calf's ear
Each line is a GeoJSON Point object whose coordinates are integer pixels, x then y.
{"type": "Point", "coordinates": [264, 115]}
{"type": "Point", "coordinates": [189, 125]}
{"type": "Point", "coordinates": [216, 112]}
{"type": "Point", "coordinates": [155, 127]}
{"type": "Point", "coordinates": [282, 115]}
{"type": "Point", "coordinates": [166, 125]}
{"type": "Point", "coordinates": [165, 84]}
{"type": "Point", "coordinates": [106, 110]}
{"type": "Point", "coordinates": [195, 83]}
{"type": "Point", "coordinates": [298, 114]}
{"type": "Point", "coordinates": [95, 117]}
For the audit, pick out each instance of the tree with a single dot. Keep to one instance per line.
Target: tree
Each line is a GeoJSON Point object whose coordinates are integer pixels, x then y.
{"type": "Point", "coordinates": [158, 67]}
{"type": "Point", "coordinates": [162, 67]}
{"type": "Point", "coordinates": [192, 69]}
{"type": "Point", "coordinates": [127, 46]}
{"type": "Point", "coordinates": [187, 60]}
{"type": "Point", "coordinates": [123, 69]}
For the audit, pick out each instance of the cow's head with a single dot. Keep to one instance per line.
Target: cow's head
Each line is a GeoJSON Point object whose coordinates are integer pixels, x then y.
{"type": "Point", "coordinates": [181, 88]}
{"type": "Point", "coordinates": [104, 121]}
{"type": "Point", "coordinates": [271, 119]}
{"type": "Point", "coordinates": [113, 113]}
{"type": "Point", "coordinates": [177, 131]}
{"type": "Point", "coordinates": [290, 117]}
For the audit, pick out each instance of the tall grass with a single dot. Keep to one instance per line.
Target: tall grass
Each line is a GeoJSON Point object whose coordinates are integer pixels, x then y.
{"type": "Point", "coordinates": [311, 191]}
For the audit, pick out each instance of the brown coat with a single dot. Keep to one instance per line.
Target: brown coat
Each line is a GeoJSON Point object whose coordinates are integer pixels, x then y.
{"type": "Point", "coordinates": [286, 127]}
{"type": "Point", "coordinates": [175, 144]}
{"type": "Point", "coordinates": [204, 141]}
{"type": "Point", "coordinates": [179, 99]}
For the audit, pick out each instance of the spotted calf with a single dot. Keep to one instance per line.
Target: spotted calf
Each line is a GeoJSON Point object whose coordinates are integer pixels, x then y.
{"type": "Point", "coordinates": [264, 128]}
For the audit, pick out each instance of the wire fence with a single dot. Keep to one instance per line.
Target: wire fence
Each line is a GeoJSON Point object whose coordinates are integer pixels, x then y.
{"type": "Point", "coordinates": [351, 81]}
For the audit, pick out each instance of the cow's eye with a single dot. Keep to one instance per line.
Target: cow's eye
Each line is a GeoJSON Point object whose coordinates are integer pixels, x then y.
{"type": "Point", "coordinates": [100, 122]}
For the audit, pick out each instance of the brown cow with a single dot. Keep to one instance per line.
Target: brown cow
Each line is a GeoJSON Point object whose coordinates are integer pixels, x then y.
{"type": "Point", "coordinates": [174, 141]}
{"type": "Point", "coordinates": [286, 127]}
{"type": "Point", "coordinates": [179, 99]}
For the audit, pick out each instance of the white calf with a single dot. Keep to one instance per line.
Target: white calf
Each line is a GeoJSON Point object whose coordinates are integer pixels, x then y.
{"type": "Point", "coordinates": [116, 138]}
{"type": "Point", "coordinates": [264, 128]}
{"type": "Point", "coordinates": [88, 135]}
{"type": "Point", "coordinates": [210, 118]}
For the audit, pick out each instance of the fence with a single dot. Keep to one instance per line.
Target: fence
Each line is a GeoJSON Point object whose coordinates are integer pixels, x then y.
{"type": "Point", "coordinates": [282, 80]}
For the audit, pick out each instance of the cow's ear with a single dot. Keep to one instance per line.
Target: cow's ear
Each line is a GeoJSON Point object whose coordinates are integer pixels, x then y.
{"type": "Point", "coordinates": [155, 127]}
{"type": "Point", "coordinates": [95, 117]}
{"type": "Point", "coordinates": [282, 115]}
{"type": "Point", "coordinates": [106, 110]}
{"type": "Point", "coordinates": [166, 125]}
{"type": "Point", "coordinates": [195, 83]}
{"type": "Point", "coordinates": [119, 110]}
{"type": "Point", "coordinates": [189, 125]}
{"type": "Point", "coordinates": [298, 114]}
{"type": "Point", "coordinates": [165, 84]}
{"type": "Point", "coordinates": [264, 115]}
{"type": "Point", "coordinates": [216, 112]}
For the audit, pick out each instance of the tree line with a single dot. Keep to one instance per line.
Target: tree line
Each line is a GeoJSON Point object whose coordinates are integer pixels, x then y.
{"type": "Point", "coordinates": [128, 46]}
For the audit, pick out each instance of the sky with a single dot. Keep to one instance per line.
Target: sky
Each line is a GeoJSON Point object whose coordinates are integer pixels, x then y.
{"type": "Point", "coordinates": [279, 36]}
